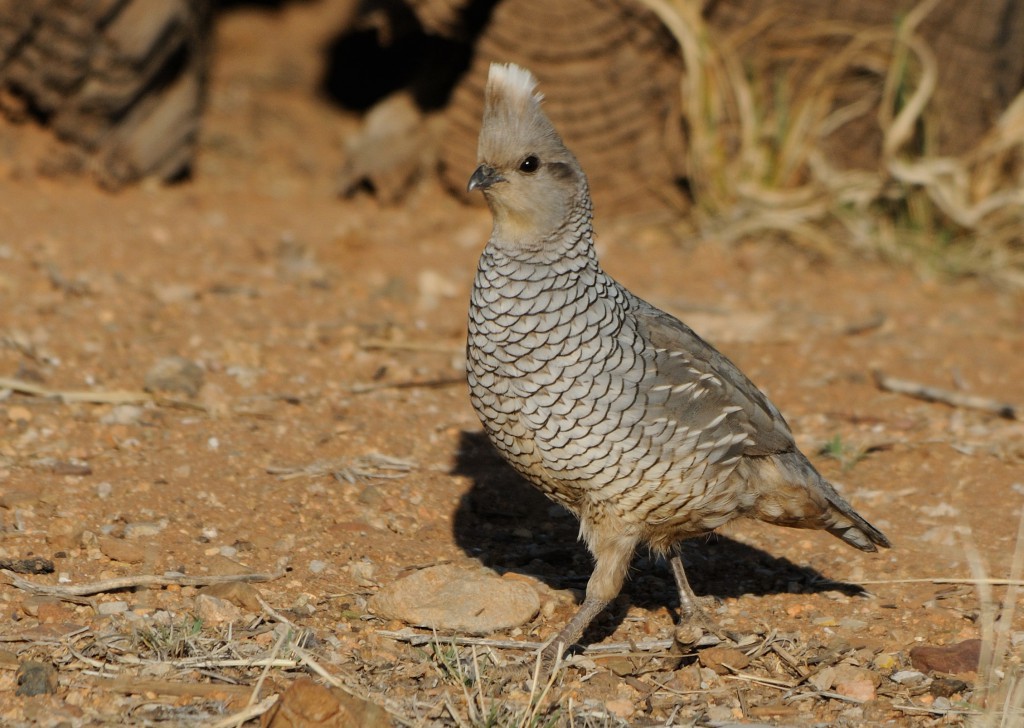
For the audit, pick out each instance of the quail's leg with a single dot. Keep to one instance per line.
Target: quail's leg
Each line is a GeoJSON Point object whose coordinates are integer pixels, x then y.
{"type": "Point", "coordinates": [612, 554]}
{"type": "Point", "coordinates": [692, 616]}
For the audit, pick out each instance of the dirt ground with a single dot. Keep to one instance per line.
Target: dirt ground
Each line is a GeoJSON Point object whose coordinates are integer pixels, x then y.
{"type": "Point", "coordinates": [330, 442]}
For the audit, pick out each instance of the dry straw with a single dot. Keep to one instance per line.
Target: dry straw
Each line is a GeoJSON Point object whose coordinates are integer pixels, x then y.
{"type": "Point", "coordinates": [758, 165]}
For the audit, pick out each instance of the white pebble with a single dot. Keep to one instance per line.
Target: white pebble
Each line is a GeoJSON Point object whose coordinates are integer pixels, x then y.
{"type": "Point", "coordinates": [908, 677]}
{"type": "Point", "coordinates": [316, 566]}
{"type": "Point", "coordinates": [104, 489]}
{"type": "Point", "coordinates": [112, 607]}
{"type": "Point", "coordinates": [213, 443]}
{"type": "Point", "coordinates": [228, 551]}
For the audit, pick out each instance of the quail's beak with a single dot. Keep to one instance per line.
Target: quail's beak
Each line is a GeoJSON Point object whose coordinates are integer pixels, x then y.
{"type": "Point", "coordinates": [483, 178]}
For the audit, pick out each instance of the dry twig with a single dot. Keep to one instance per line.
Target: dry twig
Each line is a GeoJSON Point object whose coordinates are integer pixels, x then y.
{"type": "Point", "coordinates": [419, 638]}
{"type": "Point", "coordinates": [945, 396]}
{"type": "Point", "coordinates": [349, 470]}
{"type": "Point", "coordinates": [947, 580]}
{"type": "Point", "coordinates": [94, 397]}
{"type": "Point", "coordinates": [413, 346]}
{"type": "Point", "coordinates": [129, 582]}
{"type": "Point", "coordinates": [364, 388]}
{"type": "Point", "coordinates": [170, 687]}
{"type": "Point", "coordinates": [37, 390]}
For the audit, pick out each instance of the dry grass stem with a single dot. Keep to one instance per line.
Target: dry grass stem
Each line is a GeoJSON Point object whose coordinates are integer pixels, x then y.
{"type": "Point", "coordinates": [130, 582]}
{"type": "Point", "coordinates": [37, 390]}
{"type": "Point", "coordinates": [604, 649]}
{"type": "Point", "coordinates": [758, 162]}
{"type": "Point", "coordinates": [250, 712]}
{"type": "Point", "coordinates": [413, 346]}
{"type": "Point", "coordinates": [168, 687]}
{"type": "Point", "coordinates": [366, 387]}
{"type": "Point", "coordinates": [255, 695]}
{"type": "Point", "coordinates": [1000, 691]}
{"type": "Point", "coordinates": [980, 581]}
{"type": "Point", "coordinates": [348, 470]}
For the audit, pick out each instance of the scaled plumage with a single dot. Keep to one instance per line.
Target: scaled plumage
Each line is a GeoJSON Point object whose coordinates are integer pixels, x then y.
{"type": "Point", "coordinates": [611, 407]}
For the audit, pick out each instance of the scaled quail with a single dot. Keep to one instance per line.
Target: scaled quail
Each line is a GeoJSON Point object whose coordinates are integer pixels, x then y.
{"type": "Point", "coordinates": [613, 408]}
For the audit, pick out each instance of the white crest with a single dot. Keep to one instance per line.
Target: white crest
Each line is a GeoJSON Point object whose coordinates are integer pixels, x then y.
{"type": "Point", "coordinates": [513, 82]}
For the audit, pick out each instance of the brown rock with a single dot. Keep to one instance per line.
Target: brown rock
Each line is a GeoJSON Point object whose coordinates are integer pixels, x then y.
{"type": "Point", "coordinates": [716, 658]}
{"type": "Point", "coordinates": [955, 659]}
{"type": "Point", "coordinates": [51, 612]}
{"type": "Point", "coordinates": [15, 498]}
{"type": "Point", "coordinates": [239, 593]}
{"type": "Point", "coordinates": [118, 549]}
{"type": "Point", "coordinates": [453, 598]}
{"type": "Point", "coordinates": [175, 374]}
{"type": "Point", "coordinates": [945, 687]}
{"type": "Point", "coordinates": [216, 611]}
{"type": "Point", "coordinates": [36, 678]}
{"type": "Point", "coordinates": [305, 704]}
{"type": "Point", "coordinates": [856, 682]}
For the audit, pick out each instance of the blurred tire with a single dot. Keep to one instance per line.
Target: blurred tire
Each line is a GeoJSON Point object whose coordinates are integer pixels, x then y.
{"type": "Point", "coordinates": [120, 82]}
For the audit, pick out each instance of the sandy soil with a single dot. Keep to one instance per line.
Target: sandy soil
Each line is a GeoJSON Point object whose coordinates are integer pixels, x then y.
{"type": "Point", "coordinates": [329, 331]}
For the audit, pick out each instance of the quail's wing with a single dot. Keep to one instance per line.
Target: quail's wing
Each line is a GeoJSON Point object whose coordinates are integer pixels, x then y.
{"type": "Point", "coordinates": [696, 386]}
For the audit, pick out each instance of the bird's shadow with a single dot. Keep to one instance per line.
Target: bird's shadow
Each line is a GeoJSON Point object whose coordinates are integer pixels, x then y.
{"type": "Point", "coordinates": [509, 525]}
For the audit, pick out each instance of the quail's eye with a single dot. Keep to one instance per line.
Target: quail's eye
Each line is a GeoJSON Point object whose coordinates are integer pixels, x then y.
{"type": "Point", "coordinates": [530, 165]}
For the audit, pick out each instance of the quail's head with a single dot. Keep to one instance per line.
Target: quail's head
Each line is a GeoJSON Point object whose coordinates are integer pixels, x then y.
{"type": "Point", "coordinates": [530, 180]}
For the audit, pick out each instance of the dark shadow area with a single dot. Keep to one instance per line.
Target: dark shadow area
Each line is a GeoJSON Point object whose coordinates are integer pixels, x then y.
{"type": "Point", "coordinates": [508, 525]}
{"type": "Point", "coordinates": [268, 4]}
{"type": "Point", "coordinates": [387, 49]}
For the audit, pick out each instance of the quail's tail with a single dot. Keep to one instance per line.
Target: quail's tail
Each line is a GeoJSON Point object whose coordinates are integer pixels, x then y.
{"type": "Point", "coordinates": [790, 492]}
{"type": "Point", "coordinates": [845, 523]}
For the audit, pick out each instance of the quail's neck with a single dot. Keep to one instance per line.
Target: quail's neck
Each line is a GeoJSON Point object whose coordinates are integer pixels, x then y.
{"type": "Point", "coordinates": [572, 242]}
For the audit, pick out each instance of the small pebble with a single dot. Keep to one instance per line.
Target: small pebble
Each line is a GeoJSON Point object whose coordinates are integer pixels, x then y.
{"type": "Point", "coordinates": [213, 610]}
{"type": "Point", "coordinates": [117, 549]}
{"type": "Point", "coordinates": [104, 489]}
{"type": "Point", "coordinates": [107, 608]}
{"type": "Point", "coordinates": [19, 414]}
{"type": "Point", "coordinates": [123, 414]}
{"type": "Point", "coordinates": [908, 677]}
{"type": "Point", "coordinates": [884, 661]}
{"type": "Point", "coordinates": [316, 566]}
{"type": "Point", "coordinates": [175, 374]}
{"type": "Point", "coordinates": [142, 529]}
{"type": "Point", "coordinates": [363, 572]}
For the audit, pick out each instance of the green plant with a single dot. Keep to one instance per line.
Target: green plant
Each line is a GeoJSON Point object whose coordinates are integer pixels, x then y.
{"type": "Point", "coordinates": [847, 455]}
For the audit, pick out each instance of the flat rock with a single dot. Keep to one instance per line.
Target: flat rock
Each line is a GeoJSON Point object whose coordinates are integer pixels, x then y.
{"type": "Point", "coordinates": [856, 682]}
{"type": "Point", "coordinates": [452, 598]}
{"type": "Point", "coordinates": [117, 549]}
{"type": "Point", "coordinates": [214, 610]}
{"type": "Point", "coordinates": [36, 678]}
{"type": "Point", "coordinates": [306, 704]}
{"type": "Point", "coordinates": [175, 374]}
{"type": "Point", "coordinates": [718, 658]}
{"type": "Point", "coordinates": [239, 593]}
{"type": "Point", "coordinates": [108, 608]}
{"type": "Point", "coordinates": [123, 414]}
{"type": "Point", "coordinates": [954, 659]}
{"type": "Point", "coordinates": [143, 529]}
